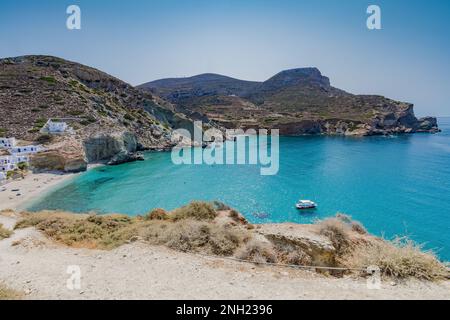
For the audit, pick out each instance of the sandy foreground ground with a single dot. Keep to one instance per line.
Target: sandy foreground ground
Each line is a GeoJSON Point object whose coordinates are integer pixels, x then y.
{"type": "Point", "coordinates": [33, 264]}
{"type": "Point", "coordinates": [15, 194]}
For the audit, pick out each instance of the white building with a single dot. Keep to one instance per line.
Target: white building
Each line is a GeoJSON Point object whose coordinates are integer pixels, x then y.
{"type": "Point", "coordinates": [14, 155]}
{"type": "Point", "coordinates": [7, 163]}
{"type": "Point", "coordinates": [24, 150]}
{"type": "Point", "coordinates": [6, 143]}
{"type": "Point", "coordinates": [20, 158]}
{"type": "Point", "coordinates": [55, 127]}
{"type": "Point", "coordinates": [2, 176]}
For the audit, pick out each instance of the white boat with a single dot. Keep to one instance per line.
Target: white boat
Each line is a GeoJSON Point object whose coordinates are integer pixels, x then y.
{"type": "Point", "coordinates": [305, 204]}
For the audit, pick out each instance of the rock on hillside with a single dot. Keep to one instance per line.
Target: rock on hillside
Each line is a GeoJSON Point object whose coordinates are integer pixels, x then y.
{"type": "Point", "coordinates": [297, 101]}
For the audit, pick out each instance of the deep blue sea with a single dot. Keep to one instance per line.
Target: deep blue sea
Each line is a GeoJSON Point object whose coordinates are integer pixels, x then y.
{"type": "Point", "coordinates": [394, 185]}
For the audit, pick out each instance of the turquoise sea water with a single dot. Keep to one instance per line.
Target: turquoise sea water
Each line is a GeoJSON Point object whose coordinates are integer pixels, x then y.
{"type": "Point", "coordinates": [393, 185]}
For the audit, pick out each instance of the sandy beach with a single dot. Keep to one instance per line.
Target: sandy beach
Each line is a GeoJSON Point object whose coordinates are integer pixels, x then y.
{"type": "Point", "coordinates": [15, 194]}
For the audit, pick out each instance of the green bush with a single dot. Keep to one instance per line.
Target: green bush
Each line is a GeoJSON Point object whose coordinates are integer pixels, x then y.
{"type": "Point", "coordinates": [50, 80]}
{"type": "Point", "coordinates": [197, 210]}
{"type": "Point", "coordinates": [22, 166]}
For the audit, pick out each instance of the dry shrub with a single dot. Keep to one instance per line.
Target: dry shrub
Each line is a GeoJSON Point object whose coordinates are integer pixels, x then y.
{"type": "Point", "coordinates": [289, 253]}
{"type": "Point", "coordinates": [399, 258]}
{"type": "Point", "coordinates": [157, 214]}
{"type": "Point", "coordinates": [8, 294]}
{"type": "Point", "coordinates": [193, 236]}
{"type": "Point", "coordinates": [345, 218]}
{"type": "Point", "coordinates": [220, 206]}
{"type": "Point", "coordinates": [237, 217]}
{"type": "Point", "coordinates": [197, 210]}
{"type": "Point", "coordinates": [357, 227]}
{"type": "Point", "coordinates": [103, 232]}
{"type": "Point", "coordinates": [257, 251]}
{"type": "Point", "coordinates": [337, 232]}
{"type": "Point", "coordinates": [298, 257]}
{"type": "Point", "coordinates": [4, 233]}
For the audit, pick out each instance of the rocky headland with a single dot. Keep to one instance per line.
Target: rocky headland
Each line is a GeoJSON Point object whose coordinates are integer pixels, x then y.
{"type": "Point", "coordinates": [297, 102]}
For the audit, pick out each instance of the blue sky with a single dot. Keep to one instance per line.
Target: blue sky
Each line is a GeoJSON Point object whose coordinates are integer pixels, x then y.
{"type": "Point", "coordinates": [143, 40]}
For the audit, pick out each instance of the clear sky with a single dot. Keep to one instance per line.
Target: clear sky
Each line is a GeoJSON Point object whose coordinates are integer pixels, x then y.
{"type": "Point", "coordinates": [143, 40]}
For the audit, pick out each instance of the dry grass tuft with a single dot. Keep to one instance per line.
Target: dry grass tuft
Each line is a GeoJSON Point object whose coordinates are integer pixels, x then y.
{"type": "Point", "coordinates": [197, 210]}
{"type": "Point", "coordinates": [4, 233]}
{"type": "Point", "coordinates": [399, 258]}
{"type": "Point", "coordinates": [337, 232]}
{"type": "Point", "coordinates": [237, 217]}
{"type": "Point", "coordinates": [220, 206]}
{"type": "Point", "coordinates": [91, 231]}
{"type": "Point", "coordinates": [8, 294]}
{"type": "Point", "coordinates": [157, 214]}
{"type": "Point", "coordinates": [258, 252]}
{"type": "Point", "coordinates": [357, 227]}
{"type": "Point", "coordinates": [190, 235]}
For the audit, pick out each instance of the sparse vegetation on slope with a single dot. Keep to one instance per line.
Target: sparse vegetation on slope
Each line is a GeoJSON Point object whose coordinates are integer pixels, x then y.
{"type": "Point", "coordinates": [200, 227]}
{"type": "Point", "coordinates": [297, 101]}
{"type": "Point", "coordinates": [399, 258]}
{"type": "Point", "coordinates": [37, 88]}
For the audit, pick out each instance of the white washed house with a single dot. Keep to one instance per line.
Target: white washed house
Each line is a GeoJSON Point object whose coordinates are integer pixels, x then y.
{"type": "Point", "coordinates": [24, 150]}
{"type": "Point", "coordinates": [6, 143]}
{"type": "Point", "coordinates": [55, 127]}
{"type": "Point", "coordinates": [2, 176]}
{"type": "Point", "coordinates": [7, 163]}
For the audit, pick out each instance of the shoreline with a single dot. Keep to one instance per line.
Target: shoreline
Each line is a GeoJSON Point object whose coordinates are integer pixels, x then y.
{"type": "Point", "coordinates": [17, 194]}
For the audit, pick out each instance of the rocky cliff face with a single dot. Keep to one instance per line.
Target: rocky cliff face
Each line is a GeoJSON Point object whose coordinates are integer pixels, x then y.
{"type": "Point", "coordinates": [297, 101]}
{"type": "Point", "coordinates": [66, 156]}
{"type": "Point", "coordinates": [113, 149]}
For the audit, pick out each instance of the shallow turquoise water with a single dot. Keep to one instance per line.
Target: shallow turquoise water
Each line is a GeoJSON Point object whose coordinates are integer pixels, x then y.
{"type": "Point", "coordinates": [395, 186]}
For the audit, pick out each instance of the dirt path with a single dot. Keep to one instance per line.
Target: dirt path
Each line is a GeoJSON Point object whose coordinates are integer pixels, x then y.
{"type": "Point", "coordinates": [31, 263]}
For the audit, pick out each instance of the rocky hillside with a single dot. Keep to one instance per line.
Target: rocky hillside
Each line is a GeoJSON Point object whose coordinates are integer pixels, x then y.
{"type": "Point", "coordinates": [35, 88]}
{"type": "Point", "coordinates": [298, 101]}
{"type": "Point", "coordinates": [105, 112]}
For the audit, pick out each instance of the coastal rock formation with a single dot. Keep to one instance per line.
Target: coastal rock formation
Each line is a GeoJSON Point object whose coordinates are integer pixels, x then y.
{"type": "Point", "coordinates": [124, 156]}
{"type": "Point", "coordinates": [114, 148]}
{"type": "Point", "coordinates": [297, 102]}
{"type": "Point", "coordinates": [57, 160]}
{"type": "Point", "coordinates": [300, 237]}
